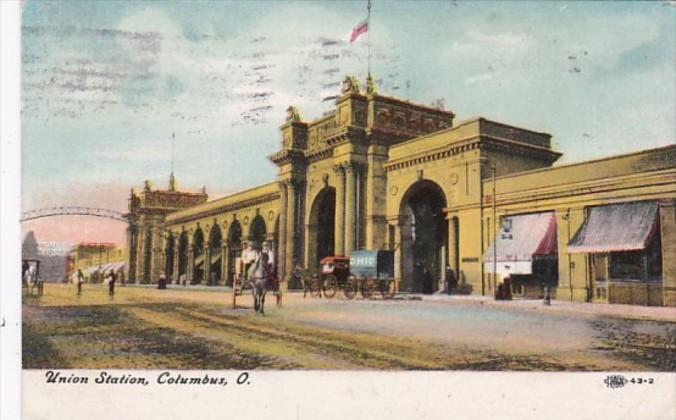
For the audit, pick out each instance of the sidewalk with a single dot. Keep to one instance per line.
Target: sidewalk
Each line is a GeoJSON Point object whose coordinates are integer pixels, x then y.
{"type": "Point", "coordinates": [656, 313]}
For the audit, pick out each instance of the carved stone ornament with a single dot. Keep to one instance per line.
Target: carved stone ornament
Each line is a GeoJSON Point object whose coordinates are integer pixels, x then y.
{"type": "Point", "coordinates": [325, 180]}
{"type": "Point", "coordinates": [371, 88]}
{"type": "Point", "coordinates": [246, 220]}
{"type": "Point", "coordinates": [453, 178]}
{"type": "Point", "coordinates": [271, 215]}
{"type": "Point", "coordinates": [292, 114]}
{"type": "Point", "coordinates": [394, 190]}
{"type": "Point", "coordinates": [419, 173]}
{"type": "Point", "coordinates": [350, 85]}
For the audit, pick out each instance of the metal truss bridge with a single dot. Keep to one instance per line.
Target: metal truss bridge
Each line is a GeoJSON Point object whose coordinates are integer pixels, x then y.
{"type": "Point", "coordinates": [73, 211]}
{"type": "Point", "coordinates": [88, 211]}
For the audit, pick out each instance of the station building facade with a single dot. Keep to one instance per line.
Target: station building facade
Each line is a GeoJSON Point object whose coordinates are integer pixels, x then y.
{"type": "Point", "coordinates": [384, 173]}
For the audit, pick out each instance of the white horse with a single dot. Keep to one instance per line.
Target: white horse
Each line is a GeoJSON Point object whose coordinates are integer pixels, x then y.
{"type": "Point", "coordinates": [258, 275]}
{"type": "Point", "coordinates": [30, 277]}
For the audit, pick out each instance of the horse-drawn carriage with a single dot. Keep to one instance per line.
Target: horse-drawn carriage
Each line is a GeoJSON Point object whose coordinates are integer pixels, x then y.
{"type": "Point", "coordinates": [30, 277]}
{"type": "Point", "coordinates": [255, 270]}
{"type": "Point", "coordinates": [363, 272]}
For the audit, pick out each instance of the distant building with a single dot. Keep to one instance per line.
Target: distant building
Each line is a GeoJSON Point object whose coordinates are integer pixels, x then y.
{"type": "Point", "coordinates": [53, 256]}
{"type": "Point", "coordinates": [96, 260]}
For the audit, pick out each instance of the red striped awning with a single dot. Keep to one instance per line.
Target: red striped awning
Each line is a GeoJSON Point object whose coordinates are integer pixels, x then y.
{"type": "Point", "coordinates": [524, 237]}
{"type": "Point", "coordinates": [616, 227]}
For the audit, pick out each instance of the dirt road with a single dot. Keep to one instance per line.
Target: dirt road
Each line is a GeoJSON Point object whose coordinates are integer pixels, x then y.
{"type": "Point", "coordinates": [198, 329]}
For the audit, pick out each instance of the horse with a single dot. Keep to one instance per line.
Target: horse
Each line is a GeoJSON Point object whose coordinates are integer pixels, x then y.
{"type": "Point", "coordinates": [30, 278]}
{"type": "Point", "coordinates": [258, 275]}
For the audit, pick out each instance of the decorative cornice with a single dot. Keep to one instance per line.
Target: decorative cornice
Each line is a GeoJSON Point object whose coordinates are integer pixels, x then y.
{"type": "Point", "coordinates": [319, 154]}
{"type": "Point", "coordinates": [432, 155]}
{"type": "Point", "coordinates": [400, 102]}
{"type": "Point", "coordinates": [482, 142]}
{"type": "Point", "coordinates": [660, 178]}
{"type": "Point", "coordinates": [227, 208]}
{"type": "Point", "coordinates": [519, 148]}
{"type": "Point", "coordinates": [287, 156]}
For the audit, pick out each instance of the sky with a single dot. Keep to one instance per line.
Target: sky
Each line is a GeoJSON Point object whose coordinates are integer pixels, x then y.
{"type": "Point", "coordinates": [105, 84]}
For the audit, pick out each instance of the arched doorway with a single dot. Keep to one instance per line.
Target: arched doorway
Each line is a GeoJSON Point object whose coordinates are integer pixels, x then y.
{"type": "Point", "coordinates": [198, 257]}
{"type": "Point", "coordinates": [424, 233]}
{"type": "Point", "coordinates": [182, 256]}
{"type": "Point", "coordinates": [234, 249]}
{"type": "Point", "coordinates": [257, 232]}
{"type": "Point", "coordinates": [169, 257]}
{"type": "Point", "coordinates": [321, 227]}
{"type": "Point", "coordinates": [215, 241]}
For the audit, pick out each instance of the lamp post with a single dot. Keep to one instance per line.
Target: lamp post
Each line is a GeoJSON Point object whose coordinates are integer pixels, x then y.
{"type": "Point", "coordinates": [495, 237]}
{"type": "Point", "coordinates": [101, 275]}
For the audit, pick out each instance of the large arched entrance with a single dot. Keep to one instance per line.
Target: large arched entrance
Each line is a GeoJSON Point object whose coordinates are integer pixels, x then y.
{"type": "Point", "coordinates": [182, 256]}
{"type": "Point", "coordinates": [234, 249]}
{"type": "Point", "coordinates": [257, 232]}
{"type": "Point", "coordinates": [169, 257]}
{"type": "Point", "coordinates": [215, 242]}
{"type": "Point", "coordinates": [424, 234]}
{"type": "Point", "coordinates": [198, 257]}
{"type": "Point", "coordinates": [321, 227]}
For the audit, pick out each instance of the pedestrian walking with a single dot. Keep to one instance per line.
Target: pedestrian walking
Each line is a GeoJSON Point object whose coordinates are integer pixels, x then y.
{"type": "Point", "coordinates": [111, 283]}
{"type": "Point", "coordinates": [162, 281]}
{"type": "Point", "coordinates": [41, 286]}
{"type": "Point", "coordinates": [507, 291]}
{"type": "Point", "coordinates": [427, 281]}
{"type": "Point", "coordinates": [78, 281]}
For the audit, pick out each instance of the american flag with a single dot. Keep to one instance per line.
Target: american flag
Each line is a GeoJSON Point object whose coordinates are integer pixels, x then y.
{"type": "Point", "coordinates": [360, 29]}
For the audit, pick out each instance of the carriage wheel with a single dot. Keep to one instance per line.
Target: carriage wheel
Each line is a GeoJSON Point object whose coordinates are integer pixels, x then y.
{"type": "Point", "coordinates": [315, 286]}
{"type": "Point", "coordinates": [367, 287]}
{"type": "Point", "coordinates": [330, 286]}
{"type": "Point", "coordinates": [387, 289]}
{"type": "Point", "coordinates": [351, 287]}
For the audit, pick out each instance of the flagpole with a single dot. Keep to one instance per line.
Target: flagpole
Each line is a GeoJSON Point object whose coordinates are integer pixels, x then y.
{"type": "Point", "coordinates": [368, 26]}
{"type": "Point", "coordinates": [173, 140]}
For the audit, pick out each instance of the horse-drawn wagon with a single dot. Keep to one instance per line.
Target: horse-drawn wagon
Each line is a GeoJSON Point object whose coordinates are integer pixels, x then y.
{"type": "Point", "coordinates": [373, 270]}
{"type": "Point", "coordinates": [363, 272]}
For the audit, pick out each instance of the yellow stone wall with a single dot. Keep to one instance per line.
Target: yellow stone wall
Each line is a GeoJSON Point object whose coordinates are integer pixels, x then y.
{"type": "Point", "coordinates": [569, 190]}
{"type": "Point", "coordinates": [241, 207]}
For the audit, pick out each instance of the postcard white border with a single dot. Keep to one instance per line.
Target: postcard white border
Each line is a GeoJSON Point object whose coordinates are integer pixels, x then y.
{"type": "Point", "coordinates": [10, 202]}
{"type": "Point", "coordinates": [279, 395]}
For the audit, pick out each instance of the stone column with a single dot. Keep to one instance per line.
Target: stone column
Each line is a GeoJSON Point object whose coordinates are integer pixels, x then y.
{"type": "Point", "coordinates": [281, 257]}
{"type": "Point", "coordinates": [190, 270]}
{"type": "Point", "coordinates": [207, 263]}
{"type": "Point", "coordinates": [668, 231]}
{"type": "Point", "coordinates": [174, 274]}
{"type": "Point", "coordinates": [290, 227]}
{"type": "Point", "coordinates": [350, 207]}
{"type": "Point", "coordinates": [375, 197]}
{"type": "Point", "coordinates": [453, 245]}
{"type": "Point", "coordinates": [157, 259]}
{"type": "Point", "coordinates": [339, 233]}
{"type": "Point", "coordinates": [397, 255]}
{"type": "Point", "coordinates": [140, 251]}
{"type": "Point", "coordinates": [224, 264]}
{"type": "Point", "coordinates": [131, 258]}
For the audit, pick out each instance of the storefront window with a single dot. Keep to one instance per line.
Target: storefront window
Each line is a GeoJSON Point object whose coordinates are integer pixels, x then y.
{"type": "Point", "coordinates": [638, 265]}
{"type": "Point", "coordinates": [626, 265]}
